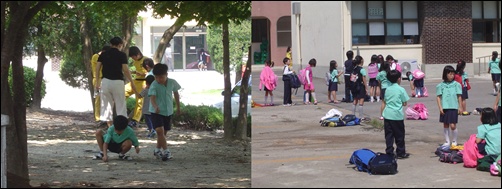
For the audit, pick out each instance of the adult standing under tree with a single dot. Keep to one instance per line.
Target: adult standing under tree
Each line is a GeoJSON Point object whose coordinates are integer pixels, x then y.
{"type": "Point", "coordinates": [94, 62]}
{"type": "Point", "coordinates": [168, 58]}
{"type": "Point", "coordinates": [114, 65]}
{"type": "Point", "coordinates": [139, 83]}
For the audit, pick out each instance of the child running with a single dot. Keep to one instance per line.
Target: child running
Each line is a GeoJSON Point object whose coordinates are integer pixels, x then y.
{"type": "Point", "coordinates": [119, 138]}
{"type": "Point", "coordinates": [393, 102]}
{"type": "Point", "coordinates": [448, 99]}
{"type": "Point", "coordinates": [161, 100]}
{"type": "Point", "coordinates": [269, 80]}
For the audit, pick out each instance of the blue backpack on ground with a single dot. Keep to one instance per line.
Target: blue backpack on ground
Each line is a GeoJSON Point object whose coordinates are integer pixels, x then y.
{"type": "Point", "coordinates": [361, 159]}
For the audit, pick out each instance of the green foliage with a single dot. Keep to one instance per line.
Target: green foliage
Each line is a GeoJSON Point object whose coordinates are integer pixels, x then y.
{"type": "Point", "coordinates": [199, 118]}
{"type": "Point", "coordinates": [29, 84]}
{"type": "Point", "coordinates": [130, 104]}
{"type": "Point", "coordinates": [239, 40]}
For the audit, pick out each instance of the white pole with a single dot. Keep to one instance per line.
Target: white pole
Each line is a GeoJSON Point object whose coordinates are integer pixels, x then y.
{"type": "Point", "coordinates": [298, 37]}
{"type": "Point", "coordinates": [5, 122]}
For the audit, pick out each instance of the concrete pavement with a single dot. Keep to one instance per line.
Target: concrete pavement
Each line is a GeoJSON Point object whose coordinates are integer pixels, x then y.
{"type": "Point", "coordinates": [291, 149]}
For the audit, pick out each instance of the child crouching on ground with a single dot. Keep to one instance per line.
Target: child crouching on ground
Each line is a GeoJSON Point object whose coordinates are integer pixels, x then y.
{"type": "Point", "coordinates": [394, 100]}
{"type": "Point", "coordinates": [119, 139]}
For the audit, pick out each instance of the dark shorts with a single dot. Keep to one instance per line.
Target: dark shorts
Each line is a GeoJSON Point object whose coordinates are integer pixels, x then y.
{"type": "Point", "coordinates": [115, 147]}
{"type": "Point", "coordinates": [266, 89]}
{"type": "Point", "coordinates": [358, 92]}
{"type": "Point", "coordinates": [418, 82]}
{"type": "Point", "coordinates": [160, 120]}
{"type": "Point", "coordinates": [373, 82]}
{"type": "Point", "coordinates": [333, 86]}
{"type": "Point", "coordinates": [498, 114]}
{"type": "Point", "coordinates": [496, 77]}
{"type": "Point", "coordinates": [465, 94]}
{"type": "Point", "coordinates": [382, 93]}
{"type": "Point", "coordinates": [449, 116]}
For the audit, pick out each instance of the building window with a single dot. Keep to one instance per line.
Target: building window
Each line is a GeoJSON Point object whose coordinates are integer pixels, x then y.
{"type": "Point", "coordinates": [384, 22]}
{"type": "Point", "coordinates": [284, 31]}
{"type": "Point", "coordinates": [486, 21]}
{"type": "Point", "coordinates": [259, 30]}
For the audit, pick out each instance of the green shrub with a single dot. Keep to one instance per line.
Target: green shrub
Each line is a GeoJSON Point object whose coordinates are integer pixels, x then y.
{"type": "Point", "coordinates": [29, 84]}
{"type": "Point", "coordinates": [130, 103]}
{"type": "Point", "coordinates": [199, 118]}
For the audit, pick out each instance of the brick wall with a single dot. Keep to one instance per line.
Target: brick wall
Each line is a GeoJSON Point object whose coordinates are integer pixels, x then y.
{"type": "Point", "coordinates": [446, 31]}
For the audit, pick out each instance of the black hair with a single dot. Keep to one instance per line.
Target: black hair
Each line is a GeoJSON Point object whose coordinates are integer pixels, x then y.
{"type": "Point", "coordinates": [488, 116]}
{"type": "Point", "coordinates": [460, 67]}
{"type": "Point", "coordinates": [408, 73]}
{"type": "Point", "coordinates": [447, 69]}
{"type": "Point", "coordinates": [159, 69]}
{"type": "Point", "coordinates": [393, 76]}
{"type": "Point", "coordinates": [495, 54]}
{"type": "Point", "coordinates": [389, 57]}
{"type": "Point", "coordinates": [380, 59]}
{"type": "Point", "coordinates": [268, 62]}
{"type": "Point", "coordinates": [134, 50]}
{"type": "Point", "coordinates": [116, 41]}
{"type": "Point", "coordinates": [312, 62]}
{"type": "Point", "coordinates": [105, 48]}
{"type": "Point", "coordinates": [350, 55]}
{"type": "Point", "coordinates": [332, 65]}
{"type": "Point", "coordinates": [374, 59]}
{"type": "Point", "coordinates": [289, 49]}
{"type": "Point", "coordinates": [384, 66]}
{"type": "Point", "coordinates": [149, 79]}
{"type": "Point", "coordinates": [148, 62]}
{"type": "Point", "coordinates": [357, 60]}
{"type": "Point", "coordinates": [285, 60]}
{"type": "Point", "coordinates": [120, 122]}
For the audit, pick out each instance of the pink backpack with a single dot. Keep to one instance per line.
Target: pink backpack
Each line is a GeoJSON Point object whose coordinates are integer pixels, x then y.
{"type": "Point", "coordinates": [411, 113]}
{"type": "Point", "coordinates": [418, 74]}
{"type": "Point", "coordinates": [373, 70]}
{"type": "Point", "coordinates": [471, 153]}
{"type": "Point", "coordinates": [302, 76]}
{"type": "Point", "coordinates": [422, 110]}
{"type": "Point", "coordinates": [426, 93]}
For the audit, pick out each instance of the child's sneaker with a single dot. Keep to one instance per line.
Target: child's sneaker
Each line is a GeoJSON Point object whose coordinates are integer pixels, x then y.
{"type": "Point", "coordinates": [98, 156]}
{"type": "Point", "coordinates": [167, 155]}
{"type": "Point", "coordinates": [152, 134]}
{"type": "Point", "coordinates": [133, 124]}
{"type": "Point", "coordinates": [446, 144]}
{"type": "Point", "coordinates": [454, 143]}
{"type": "Point", "coordinates": [125, 157]}
{"type": "Point", "coordinates": [157, 154]}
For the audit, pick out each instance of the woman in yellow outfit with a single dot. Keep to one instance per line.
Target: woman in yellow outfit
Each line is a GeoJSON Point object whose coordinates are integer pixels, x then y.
{"type": "Point", "coordinates": [139, 82]}
{"type": "Point", "coordinates": [288, 55]}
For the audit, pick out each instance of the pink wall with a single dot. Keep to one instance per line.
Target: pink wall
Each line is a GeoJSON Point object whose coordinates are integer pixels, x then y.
{"type": "Point", "coordinates": [272, 10]}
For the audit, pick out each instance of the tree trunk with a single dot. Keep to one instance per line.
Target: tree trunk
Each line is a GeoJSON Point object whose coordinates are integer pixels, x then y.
{"type": "Point", "coordinates": [14, 106]}
{"type": "Point", "coordinates": [242, 121]}
{"type": "Point", "coordinates": [166, 38]}
{"type": "Point", "coordinates": [228, 127]}
{"type": "Point", "coordinates": [37, 89]}
{"type": "Point", "coordinates": [127, 28]}
{"type": "Point", "coordinates": [86, 50]}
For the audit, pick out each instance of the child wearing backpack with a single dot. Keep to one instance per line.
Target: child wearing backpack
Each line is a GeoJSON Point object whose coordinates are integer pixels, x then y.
{"type": "Point", "coordinates": [393, 102]}
{"type": "Point", "coordinates": [359, 91]}
{"type": "Point", "coordinates": [489, 130]}
{"type": "Point", "coordinates": [383, 82]}
{"type": "Point", "coordinates": [309, 82]}
{"type": "Point", "coordinates": [373, 83]}
{"type": "Point", "coordinates": [462, 79]}
{"type": "Point", "coordinates": [448, 99]}
{"type": "Point", "coordinates": [333, 82]}
{"type": "Point", "coordinates": [269, 80]}
{"type": "Point", "coordinates": [286, 73]}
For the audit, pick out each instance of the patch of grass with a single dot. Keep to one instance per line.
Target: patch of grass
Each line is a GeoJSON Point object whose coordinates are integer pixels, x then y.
{"type": "Point", "coordinates": [376, 123]}
{"type": "Point", "coordinates": [209, 92]}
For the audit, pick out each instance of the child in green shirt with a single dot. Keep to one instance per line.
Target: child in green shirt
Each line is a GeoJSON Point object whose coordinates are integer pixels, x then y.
{"type": "Point", "coordinates": [448, 99]}
{"type": "Point", "coordinates": [393, 102]}
{"type": "Point", "coordinates": [119, 139]}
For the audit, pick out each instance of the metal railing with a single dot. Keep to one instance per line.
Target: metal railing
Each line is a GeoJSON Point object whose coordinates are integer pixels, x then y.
{"type": "Point", "coordinates": [487, 57]}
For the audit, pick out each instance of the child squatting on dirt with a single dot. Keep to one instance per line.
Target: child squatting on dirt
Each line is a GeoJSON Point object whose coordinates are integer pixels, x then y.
{"type": "Point", "coordinates": [119, 139]}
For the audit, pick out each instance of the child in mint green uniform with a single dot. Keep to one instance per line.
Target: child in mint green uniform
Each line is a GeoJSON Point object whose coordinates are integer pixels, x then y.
{"type": "Point", "coordinates": [383, 82]}
{"type": "Point", "coordinates": [489, 131]}
{"type": "Point", "coordinates": [161, 107]}
{"type": "Point", "coordinates": [393, 102]}
{"type": "Point", "coordinates": [119, 139]}
{"type": "Point", "coordinates": [494, 70]}
{"type": "Point", "coordinates": [448, 99]}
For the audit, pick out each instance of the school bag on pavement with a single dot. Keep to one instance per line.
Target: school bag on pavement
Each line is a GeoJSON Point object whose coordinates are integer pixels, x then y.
{"type": "Point", "coordinates": [422, 110]}
{"type": "Point", "coordinates": [426, 92]}
{"type": "Point", "coordinates": [411, 113]}
{"type": "Point", "coordinates": [383, 164]}
{"type": "Point", "coordinates": [361, 159]}
{"type": "Point", "coordinates": [454, 157]}
{"type": "Point", "coordinates": [470, 154]}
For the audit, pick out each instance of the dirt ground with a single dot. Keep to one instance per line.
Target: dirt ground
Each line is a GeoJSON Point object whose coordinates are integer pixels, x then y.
{"type": "Point", "coordinates": [61, 146]}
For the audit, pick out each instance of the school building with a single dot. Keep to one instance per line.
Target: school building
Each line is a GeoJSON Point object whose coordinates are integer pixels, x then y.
{"type": "Point", "coordinates": [184, 45]}
{"type": "Point", "coordinates": [426, 34]}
